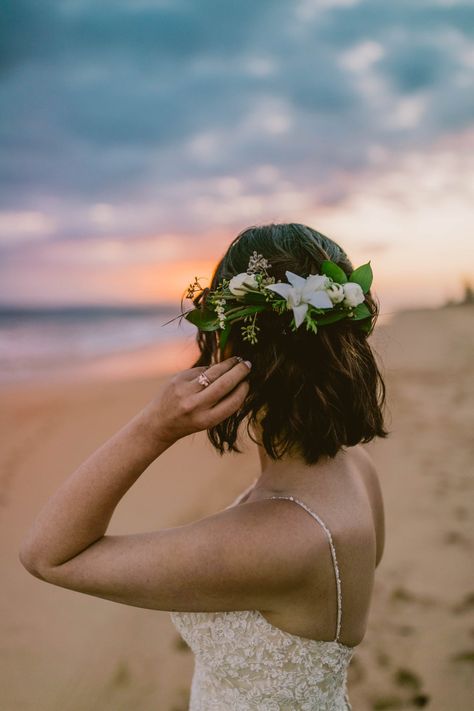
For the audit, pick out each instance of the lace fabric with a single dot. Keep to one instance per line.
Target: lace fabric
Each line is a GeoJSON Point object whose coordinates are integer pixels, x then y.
{"type": "Point", "coordinates": [244, 663]}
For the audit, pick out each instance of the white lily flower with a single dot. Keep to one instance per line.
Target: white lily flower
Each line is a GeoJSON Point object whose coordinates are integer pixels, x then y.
{"type": "Point", "coordinates": [240, 284]}
{"type": "Point", "coordinates": [300, 292]}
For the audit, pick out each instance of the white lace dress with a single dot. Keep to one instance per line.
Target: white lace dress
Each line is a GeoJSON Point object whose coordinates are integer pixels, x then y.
{"type": "Point", "coordinates": [244, 663]}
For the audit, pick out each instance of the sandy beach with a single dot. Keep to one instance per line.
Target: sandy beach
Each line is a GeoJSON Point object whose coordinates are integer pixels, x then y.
{"type": "Point", "coordinates": [63, 651]}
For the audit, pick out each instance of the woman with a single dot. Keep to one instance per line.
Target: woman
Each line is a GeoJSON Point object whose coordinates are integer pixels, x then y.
{"type": "Point", "coordinates": [272, 593]}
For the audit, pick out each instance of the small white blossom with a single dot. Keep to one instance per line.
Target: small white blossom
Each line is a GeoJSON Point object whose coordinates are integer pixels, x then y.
{"type": "Point", "coordinates": [240, 284]}
{"type": "Point", "coordinates": [353, 294]}
{"type": "Point", "coordinates": [220, 311]}
{"type": "Point", "coordinates": [335, 293]}
{"type": "Point", "coordinates": [257, 263]}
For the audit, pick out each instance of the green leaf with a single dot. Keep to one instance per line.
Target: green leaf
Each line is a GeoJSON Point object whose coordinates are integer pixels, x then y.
{"type": "Point", "coordinates": [246, 311]}
{"type": "Point", "coordinates": [311, 324]}
{"type": "Point", "coordinates": [330, 318]}
{"type": "Point", "coordinates": [361, 311]}
{"type": "Point", "coordinates": [224, 337]}
{"type": "Point", "coordinates": [332, 270]}
{"type": "Point", "coordinates": [365, 325]}
{"type": "Point", "coordinates": [254, 297]}
{"type": "Point", "coordinates": [363, 276]}
{"type": "Point", "coordinates": [204, 319]}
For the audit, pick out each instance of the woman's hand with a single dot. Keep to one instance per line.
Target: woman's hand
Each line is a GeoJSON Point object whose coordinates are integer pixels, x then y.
{"type": "Point", "coordinates": [184, 405]}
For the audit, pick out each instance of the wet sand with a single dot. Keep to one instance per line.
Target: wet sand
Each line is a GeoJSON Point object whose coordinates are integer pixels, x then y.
{"type": "Point", "coordinates": [63, 651]}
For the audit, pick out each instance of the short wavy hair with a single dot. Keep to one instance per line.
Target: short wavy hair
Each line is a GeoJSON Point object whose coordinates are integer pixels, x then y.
{"type": "Point", "coordinates": [310, 394]}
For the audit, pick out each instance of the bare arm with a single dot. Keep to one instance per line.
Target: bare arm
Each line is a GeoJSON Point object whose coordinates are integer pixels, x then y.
{"type": "Point", "coordinates": [235, 559]}
{"type": "Point", "coordinates": [78, 514]}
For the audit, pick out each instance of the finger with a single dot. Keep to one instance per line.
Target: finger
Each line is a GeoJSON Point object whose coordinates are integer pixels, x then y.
{"type": "Point", "coordinates": [192, 373]}
{"type": "Point", "coordinates": [213, 372]}
{"type": "Point", "coordinates": [218, 369]}
{"type": "Point", "coordinates": [224, 384]}
{"type": "Point", "coordinates": [230, 404]}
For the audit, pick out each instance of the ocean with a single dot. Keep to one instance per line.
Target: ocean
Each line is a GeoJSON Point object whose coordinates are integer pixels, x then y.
{"type": "Point", "coordinates": [54, 341]}
{"type": "Point", "coordinates": [100, 341]}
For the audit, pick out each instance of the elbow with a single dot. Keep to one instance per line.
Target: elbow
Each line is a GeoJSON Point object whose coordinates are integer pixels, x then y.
{"type": "Point", "coordinates": [29, 563]}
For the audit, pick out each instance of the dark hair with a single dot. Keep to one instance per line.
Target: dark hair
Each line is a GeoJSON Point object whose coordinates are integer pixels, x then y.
{"type": "Point", "coordinates": [310, 393]}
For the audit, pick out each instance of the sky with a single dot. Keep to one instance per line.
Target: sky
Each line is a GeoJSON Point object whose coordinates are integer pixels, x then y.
{"type": "Point", "coordinates": [138, 137]}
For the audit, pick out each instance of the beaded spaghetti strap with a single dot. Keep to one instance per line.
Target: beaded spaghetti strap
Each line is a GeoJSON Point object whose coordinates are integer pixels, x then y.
{"type": "Point", "coordinates": [333, 555]}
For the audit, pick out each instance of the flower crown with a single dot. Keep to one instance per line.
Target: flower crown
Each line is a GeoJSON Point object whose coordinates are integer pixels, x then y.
{"type": "Point", "coordinates": [317, 300]}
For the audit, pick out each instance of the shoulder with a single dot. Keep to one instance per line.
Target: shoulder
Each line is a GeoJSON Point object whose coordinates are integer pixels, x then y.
{"type": "Point", "coordinates": [371, 479]}
{"type": "Point", "coordinates": [254, 554]}
{"type": "Point", "coordinates": [273, 532]}
{"type": "Point", "coordinates": [273, 543]}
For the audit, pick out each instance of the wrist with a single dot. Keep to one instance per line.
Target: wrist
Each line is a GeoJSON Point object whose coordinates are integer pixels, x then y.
{"type": "Point", "coordinates": [154, 429]}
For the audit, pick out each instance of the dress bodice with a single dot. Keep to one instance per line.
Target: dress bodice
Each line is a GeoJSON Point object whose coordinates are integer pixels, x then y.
{"type": "Point", "coordinates": [245, 663]}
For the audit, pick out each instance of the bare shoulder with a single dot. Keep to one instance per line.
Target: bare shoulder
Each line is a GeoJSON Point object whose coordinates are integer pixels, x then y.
{"type": "Point", "coordinates": [277, 532]}
{"type": "Point", "coordinates": [370, 476]}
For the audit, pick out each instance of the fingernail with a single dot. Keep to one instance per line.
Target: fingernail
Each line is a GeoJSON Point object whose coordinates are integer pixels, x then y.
{"type": "Point", "coordinates": [248, 364]}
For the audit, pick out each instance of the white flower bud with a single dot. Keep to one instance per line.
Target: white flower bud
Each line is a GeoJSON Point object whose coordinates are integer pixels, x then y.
{"type": "Point", "coordinates": [353, 294]}
{"type": "Point", "coordinates": [241, 283]}
{"type": "Point", "coordinates": [335, 293]}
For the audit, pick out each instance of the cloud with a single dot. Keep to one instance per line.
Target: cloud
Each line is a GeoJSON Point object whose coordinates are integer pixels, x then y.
{"type": "Point", "coordinates": [125, 117]}
{"type": "Point", "coordinates": [21, 226]}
